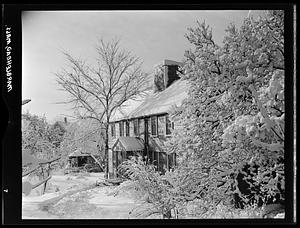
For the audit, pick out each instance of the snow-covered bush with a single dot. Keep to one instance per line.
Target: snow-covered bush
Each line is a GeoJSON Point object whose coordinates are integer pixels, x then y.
{"type": "Point", "coordinates": [168, 194]}
{"type": "Point", "coordinates": [234, 115]}
{"type": "Point", "coordinates": [153, 186]}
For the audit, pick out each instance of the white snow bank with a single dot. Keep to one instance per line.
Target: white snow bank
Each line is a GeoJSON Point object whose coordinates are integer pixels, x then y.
{"type": "Point", "coordinates": [38, 199]}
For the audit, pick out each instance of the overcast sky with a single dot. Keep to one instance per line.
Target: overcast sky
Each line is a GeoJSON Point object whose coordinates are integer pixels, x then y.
{"type": "Point", "coordinates": [151, 35]}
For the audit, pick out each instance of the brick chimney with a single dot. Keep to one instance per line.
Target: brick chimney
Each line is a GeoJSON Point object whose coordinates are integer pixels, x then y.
{"type": "Point", "coordinates": [166, 74]}
{"type": "Point", "coordinates": [170, 71]}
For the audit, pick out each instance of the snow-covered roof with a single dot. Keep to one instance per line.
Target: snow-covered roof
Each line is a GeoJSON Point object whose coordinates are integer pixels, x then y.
{"type": "Point", "coordinates": [130, 143]}
{"type": "Point", "coordinates": [87, 151]}
{"type": "Point", "coordinates": [153, 103]}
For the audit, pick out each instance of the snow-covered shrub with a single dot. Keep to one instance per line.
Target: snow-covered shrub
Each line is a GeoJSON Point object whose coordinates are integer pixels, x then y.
{"type": "Point", "coordinates": [235, 111]}
{"type": "Point", "coordinates": [156, 189]}
{"type": "Point", "coordinates": [203, 209]}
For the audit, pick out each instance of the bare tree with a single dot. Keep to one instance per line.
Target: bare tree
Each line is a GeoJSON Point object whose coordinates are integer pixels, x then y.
{"type": "Point", "coordinates": [97, 91]}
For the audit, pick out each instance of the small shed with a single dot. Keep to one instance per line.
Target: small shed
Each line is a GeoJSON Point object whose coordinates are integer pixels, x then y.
{"type": "Point", "coordinates": [80, 158]}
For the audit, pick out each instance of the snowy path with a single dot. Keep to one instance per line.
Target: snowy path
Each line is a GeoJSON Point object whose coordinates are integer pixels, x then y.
{"type": "Point", "coordinates": [95, 203]}
{"type": "Point", "coordinates": [31, 210]}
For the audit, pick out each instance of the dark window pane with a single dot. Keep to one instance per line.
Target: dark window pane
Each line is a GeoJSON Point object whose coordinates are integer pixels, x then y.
{"type": "Point", "coordinates": [168, 126]}
{"type": "Point", "coordinates": [162, 162]}
{"type": "Point", "coordinates": [136, 127]}
{"type": "Point", "coordinates": [121, 126]}
{"type": "Point", "coordinates": [127, 128]}
{"type": "Point", "coordinates": [154, 125]}
{"type": "Point", "coordinates": [112, 130]}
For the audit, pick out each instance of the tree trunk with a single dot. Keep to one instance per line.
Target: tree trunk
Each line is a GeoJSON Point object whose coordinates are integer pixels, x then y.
{"type": "Point", "coordinates": [106, 151]}
{"type": "Point", "coordinates": [167, 214]}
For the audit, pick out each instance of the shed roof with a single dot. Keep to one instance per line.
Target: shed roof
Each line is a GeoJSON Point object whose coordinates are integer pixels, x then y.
{"type": "Point", "coordinates": [130, 143]}
{"type": "Point", "coordinates": [83, 152]}
{"type": "Point", "coordinates": [153, 103]}
{"type": "Point", "coordinates": [78, 153]}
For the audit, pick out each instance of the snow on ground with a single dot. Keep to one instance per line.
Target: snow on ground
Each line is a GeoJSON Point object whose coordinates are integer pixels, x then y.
{"type": "Point", "coordinates": [78, 197]}
{"type": "Point", "coordinates": [110, 206]}
{"type": "Point", "coordinates": [95, 203]}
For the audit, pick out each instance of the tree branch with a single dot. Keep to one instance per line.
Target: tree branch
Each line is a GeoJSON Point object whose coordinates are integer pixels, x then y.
{"type": "Point", "coordinates": [264, 113]}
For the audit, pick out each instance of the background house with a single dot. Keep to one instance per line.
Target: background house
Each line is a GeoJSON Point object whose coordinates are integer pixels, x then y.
{"type": "Point", "coordinates": [142, 126]}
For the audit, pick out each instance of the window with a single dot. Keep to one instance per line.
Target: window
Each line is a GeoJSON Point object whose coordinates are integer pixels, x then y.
{"type": "Point", "coordinates": [121, 126]}
{"type": "Point", "coordinates": [149, 126]}
{"type": "Point", "coordinates": [113, 130]}
{"type": "Point", "coordinates": [131, 128]}
{"type": "Point", "coordinates": [141, 126]}
{"type": "Point", "coordinates": [154, 125]}
{"type": "Point", "coordinates": [136, 127]}
{"type": "Point", "coordinates": [161, 125]}
{"type": "Point", "coordinates": [169, 126]}
{"type": "Point", "coordinates": [127, 128]}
